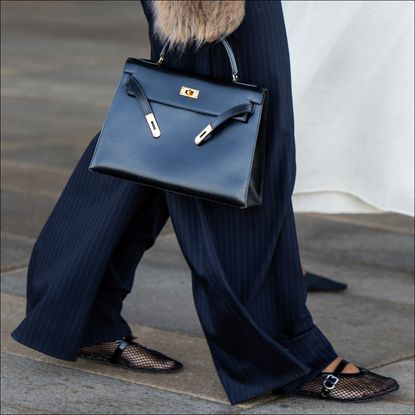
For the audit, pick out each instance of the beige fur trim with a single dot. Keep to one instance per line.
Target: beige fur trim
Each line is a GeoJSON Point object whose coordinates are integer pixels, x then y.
{"type": "Point", "coordinates": [180, 21]}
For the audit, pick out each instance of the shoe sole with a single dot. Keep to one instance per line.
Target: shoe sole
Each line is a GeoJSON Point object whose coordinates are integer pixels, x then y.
{"type": "Point", "coordinates": [105, 361]}
{"type": "Point", "coordinates": [358, 400]}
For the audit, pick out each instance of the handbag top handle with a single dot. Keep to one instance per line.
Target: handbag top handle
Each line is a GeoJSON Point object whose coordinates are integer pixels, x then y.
{"type": "Point", "coordinates": [229, 52]}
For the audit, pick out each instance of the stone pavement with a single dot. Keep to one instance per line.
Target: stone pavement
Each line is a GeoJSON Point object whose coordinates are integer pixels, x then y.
{"type": "Point", "coordinates": [60, 64]}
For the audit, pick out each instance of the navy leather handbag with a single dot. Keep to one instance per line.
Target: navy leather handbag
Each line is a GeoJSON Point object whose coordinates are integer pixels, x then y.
{"type": "Point", "coordinates": [185, 132]}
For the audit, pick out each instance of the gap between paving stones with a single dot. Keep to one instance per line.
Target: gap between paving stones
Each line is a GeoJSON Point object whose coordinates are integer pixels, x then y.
{"type": "Point", "coordinates": [18, 237]}
{"type": "Point", "coordinates": [30, 166]}
{"type": "Point", "coordinates": [400, 359]}
{"type": "Point", "coordinates": [47, 194]}
{"type": "Point", "coordinates": [76, 142]}
{"type": "Point", "coordinates": [114, 376]}
{"type": "Point", "coordinates": [53, 99]}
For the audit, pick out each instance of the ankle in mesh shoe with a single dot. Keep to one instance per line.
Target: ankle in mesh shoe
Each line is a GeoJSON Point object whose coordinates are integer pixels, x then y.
{"type": "Point", "coordinates": [351, 387]}
{"type": "Point", "coordinates": [129, 354]}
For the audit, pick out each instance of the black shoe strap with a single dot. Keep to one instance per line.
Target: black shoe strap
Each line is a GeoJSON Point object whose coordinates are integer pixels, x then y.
{"type": "Point", "coordinates": [129, 338]}
{"type": "Point", "coordinates": [331, 379]}
{"type": "Point", "coordinates": [122, 344]}
{"type": "Point", "coordinates": [339, 368]}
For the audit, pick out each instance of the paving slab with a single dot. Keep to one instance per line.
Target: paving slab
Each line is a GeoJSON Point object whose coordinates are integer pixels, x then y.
{"type": "Point", "coordinates": [60, 18]}
{"type": "Point", "coordinates": [399, 402]}
{"type": "Point", "coordinates": [341, 242]}
{"type": "Point", "coordinates": [367, 331]}
{"type": "Point", "coordinates": [74, 66]}
{"type": "Point", "coordinates": [23, 214]}
{"type": "Point", "coordinates": [162, 292]}
{"type": "Point", "coordinates": [14, 282]}
{"type": "Point", "coordinates": [168, 229]}
{"type": "Point", "coordinates": [65, 89]}
{"type": "Point", "coordinates": [404, 371]}
{"type": "Point", "coordinates": [35, 122]}
{"type": "Point", "coordinates": [353, 321]}
{"type": "Point", "coordinates": [54, 155]}
{"type": "Point", "coordinates": [122, 26]}
{"type": "Point", "coordinates": [45, 388]}
{"type": "Point", "coordinates": [198, 379]}
{"type": "Point", "coordinates": [51, 54]}
{"type": "Point", "coordinates": [364, 280]}
{"type": "Point", "coordinates": [15, 251]}
{"type": "Point", "coordinates": [383, 221]}
{"type": "Point", "coordinates": [316, 406]}
{"type": "Point", "coordinates": [102, 394]}
{"type": "Point", "coordinates": [31, 179]}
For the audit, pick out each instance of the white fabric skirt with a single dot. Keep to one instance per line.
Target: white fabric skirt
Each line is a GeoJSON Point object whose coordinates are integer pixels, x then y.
{"type": "Point", "coordinates": [353, 83]}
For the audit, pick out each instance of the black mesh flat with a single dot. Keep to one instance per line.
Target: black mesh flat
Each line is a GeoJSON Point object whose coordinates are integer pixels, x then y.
{"type": "Point", "coordinates": [129, 354]}
{"type": "Point", "coordinates": [351, 387]}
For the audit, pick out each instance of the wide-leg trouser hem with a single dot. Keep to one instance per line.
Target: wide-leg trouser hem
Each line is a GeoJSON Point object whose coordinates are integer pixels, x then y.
{"type": "Point", "coordinates": [309, 366]}
{"type": "Point", "coordinates": [312, 338]}
{"type": "Point", "coordinates": [314, 350]}
{"type": "Point", "coordinates": [50, 351]}
{"type": "Point", "coordinates": [83, 263]}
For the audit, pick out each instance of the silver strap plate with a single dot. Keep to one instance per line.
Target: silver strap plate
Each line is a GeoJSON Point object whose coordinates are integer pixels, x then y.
{"type": "Point", "coordinates": [203, 134]}
{"type": "Point", "coordinates": [152, 123]}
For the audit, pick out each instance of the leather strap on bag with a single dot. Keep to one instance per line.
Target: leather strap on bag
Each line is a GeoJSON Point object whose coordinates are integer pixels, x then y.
{"type": "Point", "coordinates": [135, 90]}
{"type": "Point", "coordinates": [220, 119]}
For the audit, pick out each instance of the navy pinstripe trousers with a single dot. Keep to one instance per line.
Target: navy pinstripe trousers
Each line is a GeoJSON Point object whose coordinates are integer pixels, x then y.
{"type": "Point", "coordinates": [247, 281]}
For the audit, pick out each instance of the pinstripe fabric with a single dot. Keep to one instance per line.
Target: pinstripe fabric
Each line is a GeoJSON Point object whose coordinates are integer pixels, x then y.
{"type": "Point", "coordinates": [84, 259]}
{"type": "Point", "coordinates": [247, 281]}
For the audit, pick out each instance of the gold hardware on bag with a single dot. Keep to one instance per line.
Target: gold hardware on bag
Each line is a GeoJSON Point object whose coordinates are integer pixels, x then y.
{"type": "Point", "coordinates": [203, 134]}
{"type": "Point", "coordinates": [189, 92]}
{"type": "Point", "coordinates": [152, 123]}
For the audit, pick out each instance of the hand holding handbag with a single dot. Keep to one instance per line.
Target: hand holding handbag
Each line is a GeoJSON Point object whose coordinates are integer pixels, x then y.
{"type": "Point", "coordinates": [186, 133]}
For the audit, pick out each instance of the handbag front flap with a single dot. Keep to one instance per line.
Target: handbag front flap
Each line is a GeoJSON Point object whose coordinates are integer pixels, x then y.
{"type": "Point", "coordinates": [186, 90]}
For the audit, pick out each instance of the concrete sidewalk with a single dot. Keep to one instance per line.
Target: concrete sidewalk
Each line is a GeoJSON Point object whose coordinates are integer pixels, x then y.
{"type": "Point", "coordinates": [60, 64]}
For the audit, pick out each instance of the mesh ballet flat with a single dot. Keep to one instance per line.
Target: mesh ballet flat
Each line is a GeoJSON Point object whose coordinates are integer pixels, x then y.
{"type": "Point", "coordinates": [129, 354]}
{"type": "Point", "coordinates": [351, 387]}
